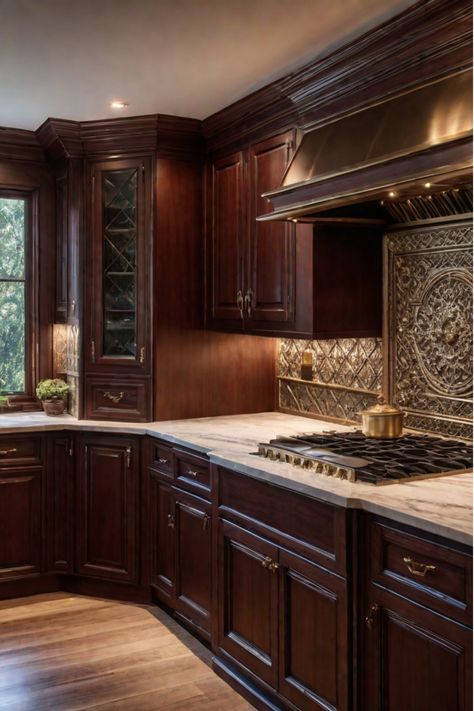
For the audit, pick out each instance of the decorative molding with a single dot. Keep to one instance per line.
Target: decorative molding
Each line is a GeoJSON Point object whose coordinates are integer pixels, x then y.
{"type": "Point", "coordinates": [428, 273]}
{"type": "Point", "coordinates": [424, 42]}
{"type": "Point", "coordinates": [167, 136]}
{"type": "Point", "coordinates": [19, 145]}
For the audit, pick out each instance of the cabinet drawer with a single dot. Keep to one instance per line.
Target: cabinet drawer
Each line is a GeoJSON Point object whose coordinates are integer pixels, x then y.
{"type": "Point", "coordinates": [425, 571]}
{"type": "Point", "coordinates": [161, 458]}
{"type": "Point", "coordinates": [310, 527]}
{"type": "Point", "coordinates": [192, 472]}
{"type": "Point", "coordinates": [117, 399]}
{"type": "Point", "coordinates": [20, 451]}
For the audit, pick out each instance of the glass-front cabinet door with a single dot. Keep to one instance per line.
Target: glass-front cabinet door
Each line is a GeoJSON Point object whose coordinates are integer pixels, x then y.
{"type": "Point", "coordinates": [120, 250]}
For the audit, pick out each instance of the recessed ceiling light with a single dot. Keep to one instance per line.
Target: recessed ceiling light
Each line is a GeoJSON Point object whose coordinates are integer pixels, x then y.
{"type": "Point", "coordinates": [391, 194]}
{"type": "Point", "coordinates": [118, 104]}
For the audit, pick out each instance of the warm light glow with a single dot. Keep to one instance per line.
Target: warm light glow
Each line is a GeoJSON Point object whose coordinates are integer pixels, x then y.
{"type": "Point", "coordinates": [427, 185]}
{"type": "Point", "coordinates": [294, 220]}
{"type": "Point", "coordinates": [391, 193]}
{"type": "Point", "coordinates": [118, 104]}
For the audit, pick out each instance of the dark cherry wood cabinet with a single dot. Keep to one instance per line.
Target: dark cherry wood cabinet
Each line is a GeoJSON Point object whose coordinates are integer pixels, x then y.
{"type": "Point", "coordinates": [414, 659]}
{"type": "Point", "coordinates": [314, 639]}
{"type": "Point", "coordinates": [193, 537]}
{"type": "Point", "coordinates": [416, 655]}
{"type": "Point", "coordinates": [107, 507]}
{"type": "Point", "coordinates": [250, 267]}
{"type": "Point", "coordinates": [118, 346]}
{"type": "Point", "coordinates": [248, 601]}
{"type": "Point", "coordinates": [60, 504]}
{"type": "Point", "coordinates": [21, 522]}
{"type": "Point", "coordinates": [22, 506]}
{"type": "Point", "coordinates": [178, 533]}
{"type": "Point", "coordinates": [161, 535]}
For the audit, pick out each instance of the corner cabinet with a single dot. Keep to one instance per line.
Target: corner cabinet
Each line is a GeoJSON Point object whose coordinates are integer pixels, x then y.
{"type": "Point", "coordinates": [250, 265]}
{"type": "Point", "coordinates": [118, 294]}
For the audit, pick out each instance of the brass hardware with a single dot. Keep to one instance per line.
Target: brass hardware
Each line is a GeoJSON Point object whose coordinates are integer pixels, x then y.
{"type": "Point", "coordinates": [270, 564]}
{"type": "Point", "coordinates": [73, 307]}
{"type": "Point", "coordinates": [248, 302]}
{"type": "Point", "coordinates": [162, 460]}
{"type": "Point", "coordinates": [382, 421]}
{"type": "Point", "coordinates": [369, 620]}
{"type": "Point", "coordinates": [418, 568]}
{"type": "Point", "coordinates": [4, 452]}
{"type": "Point", "coordinates": [192, 473]}
{"type": "Point", "coordinates": [240, 303]}
{"type": "Point", "coordinates": [142, 355]}
{"type": "Point", "coordinates": [170, 521]}
{"type": "Point", "coordinates": [93, 351]}
{"type": "Point", "coordinates": [205, 522]}
{"type": "Point", "coordinates": [128, 454]}
{"type": "Point", "coordinates": [115, 398]}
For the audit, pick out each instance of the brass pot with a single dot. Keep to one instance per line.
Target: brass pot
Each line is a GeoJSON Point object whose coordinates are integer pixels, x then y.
{"type": "Point", "coordinates": [382, 421]}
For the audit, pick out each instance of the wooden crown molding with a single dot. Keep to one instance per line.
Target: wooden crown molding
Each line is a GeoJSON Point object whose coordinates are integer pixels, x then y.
{"type": "Point", "coordinates": [168, 136]}
{"type": "Point", "coordinates": [427, 40]}
{"type": "Point", "coordinates": [20, 145]}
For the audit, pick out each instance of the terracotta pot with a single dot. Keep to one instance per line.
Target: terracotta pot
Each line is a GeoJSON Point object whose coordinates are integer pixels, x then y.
{"type": "Point", "coordinates": [53, 407]}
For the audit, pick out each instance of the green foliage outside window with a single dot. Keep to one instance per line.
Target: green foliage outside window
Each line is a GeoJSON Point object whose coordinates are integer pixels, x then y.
{"type": "Point", "coordinates": [12, 295]}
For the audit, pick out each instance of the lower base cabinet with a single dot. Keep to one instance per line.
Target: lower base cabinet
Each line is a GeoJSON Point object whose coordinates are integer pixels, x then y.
{"type": "Point", "coordinates": [415, 659]}
{"type": "Point", "coordinates": [284, 619]}
{"type": "Point", "coordinates": [181, 536]}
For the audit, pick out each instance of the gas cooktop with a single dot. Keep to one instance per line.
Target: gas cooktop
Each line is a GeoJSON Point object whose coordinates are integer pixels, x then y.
{"type": "Point", "coordinates": [355, 457]}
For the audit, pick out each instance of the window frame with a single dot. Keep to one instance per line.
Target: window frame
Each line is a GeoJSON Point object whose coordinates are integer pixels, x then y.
{"type": "Point", "coordinates": [30, 198]}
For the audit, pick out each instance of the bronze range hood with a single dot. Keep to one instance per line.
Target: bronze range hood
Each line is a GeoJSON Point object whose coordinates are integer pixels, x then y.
{"type": "Point", "coordinates": [400, 146]}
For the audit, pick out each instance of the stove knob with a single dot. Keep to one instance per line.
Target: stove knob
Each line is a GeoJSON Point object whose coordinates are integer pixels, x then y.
{"type": "Point", "coordinates": [319, 467]}
{"type": "Point", "coordinates": [341, 473]}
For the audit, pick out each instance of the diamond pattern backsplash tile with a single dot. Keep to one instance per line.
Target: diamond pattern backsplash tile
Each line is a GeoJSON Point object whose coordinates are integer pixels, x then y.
{"type": "Point", "coordinates": [353, 363]}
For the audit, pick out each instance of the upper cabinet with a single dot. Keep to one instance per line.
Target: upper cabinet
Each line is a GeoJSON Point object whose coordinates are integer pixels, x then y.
{"type": "Point", "coordinates": [250, 265]}
{"type": "Point", "coordinates": [312, 280]}
{"type": "Point", "coordinates": [118, 296]}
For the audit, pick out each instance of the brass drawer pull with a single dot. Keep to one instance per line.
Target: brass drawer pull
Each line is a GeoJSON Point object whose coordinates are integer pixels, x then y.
{"type": "Point", "coordinates": [192, 473]}
{"type": "Point", "coordinates": [240, 303]}
{"type": "Point", "coordinates": [4, 452]}
{"type": "Point", "coordinates": [115, 398]}
{"type": "Point", "coordinates": [162, 460]}
{"type": "Point", "coordinates": [170, 521]}
{"type": "Point", "coordinates": [419, 569]}
{"type": "Point", "coordinates": [248, 302]}
{"type": "Point", "coordinates": [369, 620]}
{"type": "Point", "coordinates": [205, 522]}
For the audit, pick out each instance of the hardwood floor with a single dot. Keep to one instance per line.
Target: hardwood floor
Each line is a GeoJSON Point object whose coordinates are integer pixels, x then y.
{"type": "Point", "coordinates": [64, 652]}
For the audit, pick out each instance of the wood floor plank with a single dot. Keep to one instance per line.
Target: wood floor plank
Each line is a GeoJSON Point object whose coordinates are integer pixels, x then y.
{"type": "Point", "coordinates": [70, 653]}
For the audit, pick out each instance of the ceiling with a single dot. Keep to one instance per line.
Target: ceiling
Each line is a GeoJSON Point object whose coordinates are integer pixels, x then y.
{"type": "Point", "coordinates": [69, 59]}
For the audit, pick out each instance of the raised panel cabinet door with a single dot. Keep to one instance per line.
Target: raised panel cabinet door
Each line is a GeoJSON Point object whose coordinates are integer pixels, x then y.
{"type": "Point", "coordinates": [20, 523]}
{"type": "Point", "coordinates": [193, 556]}
{"type": "Point", "coordinates": [227, 240]}
{"type": "Point", "coordinates": [414, 659]}
{"type": "Point", "coordinates": [313, 636]}
{"type": "Point", "coordinates": [248, 601]}
{"type": "Point", "coordinates": [119, 258]}
{"type": "Point", "coordinates": [60, 522]}
{"type": "Point", "coordinates": [162, 534]}
{"type": "Point", "coordinates": [108, 508]}
{"type": "Point", "coordinates": [270, 283]}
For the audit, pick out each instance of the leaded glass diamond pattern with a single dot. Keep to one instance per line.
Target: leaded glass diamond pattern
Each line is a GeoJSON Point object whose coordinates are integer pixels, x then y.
{"type": "Point", "coordinates": [119, 189]}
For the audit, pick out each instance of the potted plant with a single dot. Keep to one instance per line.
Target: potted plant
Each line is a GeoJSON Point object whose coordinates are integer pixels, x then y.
{"type": "Point", "coordinates": [52, 393]}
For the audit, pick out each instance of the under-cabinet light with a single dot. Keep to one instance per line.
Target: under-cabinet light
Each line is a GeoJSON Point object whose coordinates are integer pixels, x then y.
{"type": "Point", "coordinates": [118, 104]}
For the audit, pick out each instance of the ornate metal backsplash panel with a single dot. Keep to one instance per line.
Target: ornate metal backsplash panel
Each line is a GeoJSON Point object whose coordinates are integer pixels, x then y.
{"type": "Point", "coordinates": [428, 277]}
{"type": "Point", "coordinates": [347, 374]}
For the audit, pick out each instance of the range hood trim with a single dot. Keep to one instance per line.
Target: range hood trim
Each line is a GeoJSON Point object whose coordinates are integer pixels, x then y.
{"type": "Point", "coordinates": [432, 153]}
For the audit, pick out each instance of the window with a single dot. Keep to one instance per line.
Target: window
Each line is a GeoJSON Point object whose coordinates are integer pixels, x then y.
{"type": "Point", "coordinates": [13, 294]}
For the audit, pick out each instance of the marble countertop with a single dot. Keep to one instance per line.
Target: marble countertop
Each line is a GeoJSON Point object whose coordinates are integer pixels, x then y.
{"type": "Point", "coordinates": [441, 505]}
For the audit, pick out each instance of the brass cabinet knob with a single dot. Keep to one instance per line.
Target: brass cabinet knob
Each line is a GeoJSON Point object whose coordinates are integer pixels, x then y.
{"type": "Point", "coordinates": [270, 564]}
{"type": "Point", "coordinates": [369, 620]}
{"type": "Point", "coordinates": [170, 521]}
{"type": "Point", "coordinates": [240, 303]}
